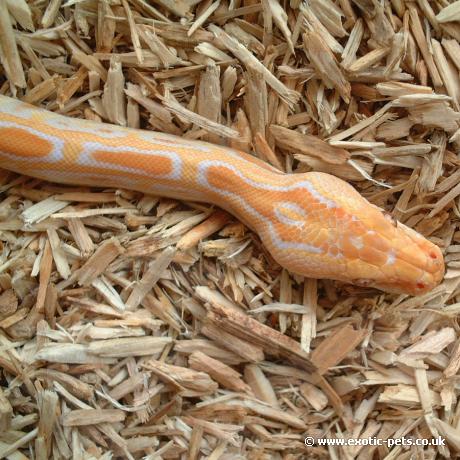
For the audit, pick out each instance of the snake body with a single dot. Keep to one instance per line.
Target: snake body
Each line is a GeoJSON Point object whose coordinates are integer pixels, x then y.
{"type": "Point", "coordinates": [313, 224]}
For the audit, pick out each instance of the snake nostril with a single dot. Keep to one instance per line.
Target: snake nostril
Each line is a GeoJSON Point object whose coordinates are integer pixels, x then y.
{"type": "Point", "coordinates": [421, 285]}
{"type": "Point", "coordinates": [433, 255]}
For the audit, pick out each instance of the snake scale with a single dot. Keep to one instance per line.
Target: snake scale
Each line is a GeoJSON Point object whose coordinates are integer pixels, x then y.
{"type": "Point", "coordinates": [313, 224]}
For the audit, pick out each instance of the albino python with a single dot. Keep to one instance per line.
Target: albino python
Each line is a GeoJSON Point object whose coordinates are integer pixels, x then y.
{"type": "Point", "coordinates": [313, 224]}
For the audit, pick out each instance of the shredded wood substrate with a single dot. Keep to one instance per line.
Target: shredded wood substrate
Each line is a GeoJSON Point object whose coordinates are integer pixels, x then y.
{"type": "Point", "coordinates": [134, 326]}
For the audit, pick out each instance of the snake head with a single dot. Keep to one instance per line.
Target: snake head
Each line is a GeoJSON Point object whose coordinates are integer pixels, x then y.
{"type": "Point", "coordinates": [325, 229]}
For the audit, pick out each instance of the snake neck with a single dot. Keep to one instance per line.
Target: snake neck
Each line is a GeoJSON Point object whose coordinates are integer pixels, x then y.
{"type": "Point", "coordinates": [240, 184]}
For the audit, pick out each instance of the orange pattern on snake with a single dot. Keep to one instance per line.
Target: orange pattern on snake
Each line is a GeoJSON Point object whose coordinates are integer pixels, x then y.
{"type": "Point", "coordinates": [313, 224]}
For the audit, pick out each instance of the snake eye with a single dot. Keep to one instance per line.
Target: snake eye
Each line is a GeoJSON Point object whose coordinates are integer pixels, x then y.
{"type": "Point", "coordinates": [290, 214]}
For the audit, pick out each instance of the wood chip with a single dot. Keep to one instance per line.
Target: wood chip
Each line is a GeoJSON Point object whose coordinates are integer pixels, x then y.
{"type": "Point", "coordinates": [98, 262]}
{"type": "Point", "coordinates": [308, 145]}
{"type": "Point", "coordinates": [254, 332]}
{"type": "Point", "coordinates": [140, 346]}
{"type": "Point", "coordinates": [9, 49]}
{"type": "Point", "coordinates": [289, 96]}
{"type": "Point", "coordinates": [325, 64]}
{"type": "Point", "coordinates": [329, 353]}
{"type": "Point", "coordinates": [449, 13]}
{"type": "Point", "coordinates": [150, 278]}
{"type": "Point", "coordinates": [84, 417]}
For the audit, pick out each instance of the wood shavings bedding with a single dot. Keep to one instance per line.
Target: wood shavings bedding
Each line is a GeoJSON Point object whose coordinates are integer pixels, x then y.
{"type": "Point", "coordinates": [134, 326]}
